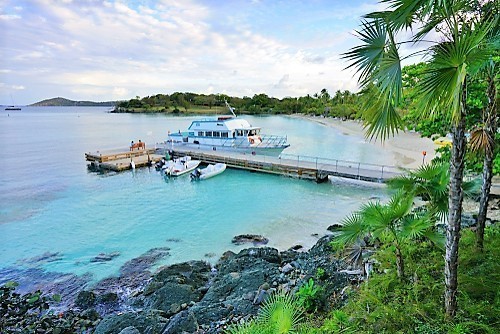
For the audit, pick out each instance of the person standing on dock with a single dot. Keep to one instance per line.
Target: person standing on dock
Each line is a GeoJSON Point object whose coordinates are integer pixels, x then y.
{"type": "Point", "coordinates": [131, 145]}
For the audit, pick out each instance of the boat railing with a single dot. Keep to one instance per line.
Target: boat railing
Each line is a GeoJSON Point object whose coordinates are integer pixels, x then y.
{"type": "Point", "coordinates": [273, 141]}
{"type": "Point", "coordinates": [268, 141]}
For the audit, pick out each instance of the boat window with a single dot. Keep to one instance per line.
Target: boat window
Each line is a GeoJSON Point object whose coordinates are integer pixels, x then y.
{"type": "Point", "coordinates": [216, 134]}
{"type": "Point", "coordinates": [208, 133]}
{"type": "Point", "coordinates": [224, 135]}
{"type": "Point", "coordinates": [245, 132]}
{"type": "Point", "coordinates": [196, 124]}
{"type": "Point", "coordinates": [191, 134]}
{"type": "Point", "coordinates": [200, 133]}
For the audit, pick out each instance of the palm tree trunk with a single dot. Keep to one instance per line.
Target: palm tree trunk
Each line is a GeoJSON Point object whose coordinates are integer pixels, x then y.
{"type": "Point", "coordinates": [399, 263]}
{"type": "Point", "coordinates": [491, 129]}
{"type": "Point", "coordinates": [455, 212]}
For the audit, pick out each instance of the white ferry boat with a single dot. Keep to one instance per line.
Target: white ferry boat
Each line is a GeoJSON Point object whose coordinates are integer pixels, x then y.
{"type": "Point", "coordinates": [229, 133]}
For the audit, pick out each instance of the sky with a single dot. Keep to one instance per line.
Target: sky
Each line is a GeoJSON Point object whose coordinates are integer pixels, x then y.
{"type": "Point", "coordinates": [119, 49]}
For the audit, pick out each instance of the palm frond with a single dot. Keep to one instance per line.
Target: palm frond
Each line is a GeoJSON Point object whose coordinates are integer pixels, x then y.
{"type": "Point", "coordinates": [281, 312]}
{"type": "Point", "coordinates": [381, 118]}
{"type": "Point", "coordinates": [403, 12]}
{"type": "Point", "coordinates": [366, 57]}
{"type": "Point", "coordinates": [415, 228]}
{"type": "Point", "coordinates": [472, 188]}
{"type": "Point", "coordinates": [353, 228]}
{"type": "Point", "coordinates": [481, 141]}
{"type": "Point", "coordinates": [451, 61]}
{"type": "Point", "coordinates": [400, 204]}
{"type": "Point", "coordinates": [388, 75]}
{"type": "Point", "coordinates": [435, 237]}
{"type": "Point", "coordinates": [354, 254]}
{"type": "Point", "coordinates": [405, 182]}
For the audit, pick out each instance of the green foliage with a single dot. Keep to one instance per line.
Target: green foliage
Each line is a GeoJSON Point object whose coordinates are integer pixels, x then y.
{"type": "Point", "coordinates": [338, 322]}
{"type": "Point", "coordinates": [281, 313]}
{"type": "Point", "coordinates": [310, 295]}
{"type": "Point", "coordinates": [385, 304]}
{"type": "Point", "coordinates": [30, 313]}
{"type": "Point", "coordinates": [394, 224]}
{"type": "Point", "coordinates": [320, 273]}
{"type": "Point", "coordinates": [343, 104]}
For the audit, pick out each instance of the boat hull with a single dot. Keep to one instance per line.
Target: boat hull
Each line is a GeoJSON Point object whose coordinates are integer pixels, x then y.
{"type": "Point", "coordinates": [270, 151]}
{"type": "Point", "coordinates": [180, 166]}
{"type": "Point", "coordinates": [211, 171]}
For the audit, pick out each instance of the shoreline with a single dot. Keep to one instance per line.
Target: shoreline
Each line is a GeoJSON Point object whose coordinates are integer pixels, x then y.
{"type": "Point", "coordinates": [406, 147]}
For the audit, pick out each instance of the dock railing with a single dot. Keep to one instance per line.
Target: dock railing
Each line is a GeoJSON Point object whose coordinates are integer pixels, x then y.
{"type": "Point", "coordinates": [339, 167]}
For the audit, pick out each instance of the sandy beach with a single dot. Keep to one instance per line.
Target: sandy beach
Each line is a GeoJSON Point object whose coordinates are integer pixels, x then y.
{"type": "Point", "coordinates": [406, 148]}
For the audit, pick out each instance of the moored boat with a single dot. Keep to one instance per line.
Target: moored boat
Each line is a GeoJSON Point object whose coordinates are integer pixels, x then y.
{"type": "Point", "coordinates": [180, 166]}
{"type": "Point", "coordinates": [228, 133]}
{"type": "Point", "coordinates": [12, 108]}
{"type": "Point", "coordinates": [208, 172]}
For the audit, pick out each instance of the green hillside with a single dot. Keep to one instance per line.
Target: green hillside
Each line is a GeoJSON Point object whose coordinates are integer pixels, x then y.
{"type": "Point", "coordinates": [62, 102]}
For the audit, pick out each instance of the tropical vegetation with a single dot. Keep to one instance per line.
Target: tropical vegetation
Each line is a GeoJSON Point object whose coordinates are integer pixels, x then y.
{"type": "Point", "coordinates": [466, 41]}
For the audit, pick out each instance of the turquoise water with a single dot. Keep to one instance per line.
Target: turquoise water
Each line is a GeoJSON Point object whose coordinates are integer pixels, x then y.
{"type": "Point", "coordinates": [50, 202]}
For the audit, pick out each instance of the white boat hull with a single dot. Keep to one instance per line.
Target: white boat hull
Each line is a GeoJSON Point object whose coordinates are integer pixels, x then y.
{"type": "Point", "coordinates": [209, 171]}
{"type": "Point", "coordinates": [180, 166]}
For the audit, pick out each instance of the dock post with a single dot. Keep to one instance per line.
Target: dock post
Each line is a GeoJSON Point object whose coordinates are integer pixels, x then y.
{"type": "Point", "coordinates": [359, 166]}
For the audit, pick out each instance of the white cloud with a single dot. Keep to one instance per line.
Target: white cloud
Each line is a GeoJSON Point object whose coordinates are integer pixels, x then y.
{"type": "Point", "coordinates": [109, 49]}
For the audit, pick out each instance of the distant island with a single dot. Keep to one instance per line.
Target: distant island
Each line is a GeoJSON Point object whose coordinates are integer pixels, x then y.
{"type": "Point", "coordinates": [62, 102]}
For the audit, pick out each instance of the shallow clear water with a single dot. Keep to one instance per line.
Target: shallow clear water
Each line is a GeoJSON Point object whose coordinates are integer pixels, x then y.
{"type": "Point", "coordinates": [50, 202]}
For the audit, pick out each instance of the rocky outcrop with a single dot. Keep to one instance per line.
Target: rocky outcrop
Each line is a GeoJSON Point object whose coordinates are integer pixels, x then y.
{"type": "Point", "coordinates": [250, 238]}
{"type": "Point", "coordinates": [195, 297]}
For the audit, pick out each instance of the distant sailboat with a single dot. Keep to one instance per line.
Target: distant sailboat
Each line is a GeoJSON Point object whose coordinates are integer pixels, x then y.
{"type": "Point", "coordinates": [12, 107]}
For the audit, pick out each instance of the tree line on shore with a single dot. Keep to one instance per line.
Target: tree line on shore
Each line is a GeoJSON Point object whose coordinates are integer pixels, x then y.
{"type": "Point", "coordinates": [343, 104]}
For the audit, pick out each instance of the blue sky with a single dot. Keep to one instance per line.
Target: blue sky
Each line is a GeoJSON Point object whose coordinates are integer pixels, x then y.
{"type": "Point", "coordinates": [111, 50]}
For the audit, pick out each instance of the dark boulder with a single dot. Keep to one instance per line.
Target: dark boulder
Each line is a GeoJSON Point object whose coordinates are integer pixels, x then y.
{"type": "Point", "coordinates": [237, 283]}
{"type": "Point", "coordinates": [183, 322]}
{"type": "Point", "coordinates": [145, 261]}
{"type": "Point", "coordinates": [250, 238]}
{"type": "Point", "coordinates": [85, 299]}
{"type": "Point", "coordinates": [144, 322]}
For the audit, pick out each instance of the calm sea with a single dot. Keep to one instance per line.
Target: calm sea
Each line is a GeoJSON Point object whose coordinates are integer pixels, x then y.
{"type": "Point", "coordinates": [50, 202]}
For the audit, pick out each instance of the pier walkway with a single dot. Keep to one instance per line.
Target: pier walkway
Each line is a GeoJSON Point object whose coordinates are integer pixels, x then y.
{"type": "Point", "coordinates": [120, 159]}
{"type": "Point", "coordinates": [306, 167]}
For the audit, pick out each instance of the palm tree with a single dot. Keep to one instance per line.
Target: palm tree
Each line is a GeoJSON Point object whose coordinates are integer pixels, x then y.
{"type": "Point", "coordinates": [431, 183]}
{"type": "Point", "coordinates": [443, 88]}
{"type": "Point", "coordinates": [393, 224]}
{"type": "Point", "coordinates": [483, 140]}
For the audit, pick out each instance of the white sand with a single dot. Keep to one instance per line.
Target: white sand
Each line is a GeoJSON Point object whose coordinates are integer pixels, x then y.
{"type": "Point", "coordinates": [406, 147]}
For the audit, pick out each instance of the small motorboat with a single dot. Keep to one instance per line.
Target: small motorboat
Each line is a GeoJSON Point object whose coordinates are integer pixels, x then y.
{"type": "Point", "coordinates": [208, 172]}
{"type": "Point", "coordinates": [180, 166]}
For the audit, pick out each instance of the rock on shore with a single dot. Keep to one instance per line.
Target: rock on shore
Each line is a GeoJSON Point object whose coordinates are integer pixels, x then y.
{"type": "Point", "coordinates": [193, 297]}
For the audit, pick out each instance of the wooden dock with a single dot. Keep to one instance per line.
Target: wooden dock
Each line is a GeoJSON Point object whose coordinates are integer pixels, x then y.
{"type": "Point", "coordinates": [120, 159]}
{"type": "Point", "coordinates": [304, 167]}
